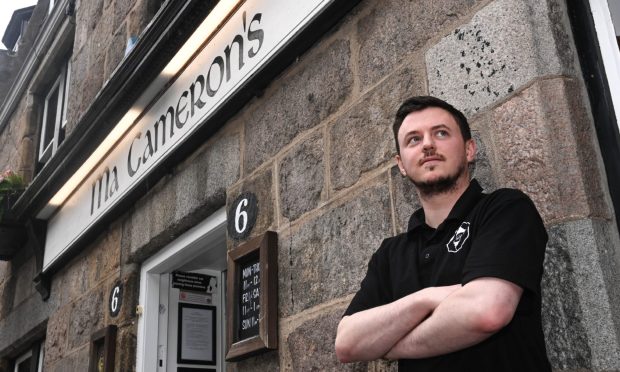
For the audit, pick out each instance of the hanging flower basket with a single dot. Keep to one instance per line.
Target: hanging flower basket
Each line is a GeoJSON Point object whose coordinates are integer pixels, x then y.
{"type": "Point", "coordinates": [12, 233]}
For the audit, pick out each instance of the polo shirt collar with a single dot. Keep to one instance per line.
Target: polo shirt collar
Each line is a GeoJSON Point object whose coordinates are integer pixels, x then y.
{"type": "Point", "coordinates": [466, 202]}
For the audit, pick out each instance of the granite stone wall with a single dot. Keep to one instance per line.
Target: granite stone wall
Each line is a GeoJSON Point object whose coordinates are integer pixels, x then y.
{"type": "Point", "coordinates": [75, 308]}
{"type": "Point", "coordinates": [102, 30]}
{"type": "Point", "coordinates": [316, 148]}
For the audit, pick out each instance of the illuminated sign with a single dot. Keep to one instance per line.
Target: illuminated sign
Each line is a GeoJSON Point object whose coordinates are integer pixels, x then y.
{"type": "Point", "coordinates": [253, 34]}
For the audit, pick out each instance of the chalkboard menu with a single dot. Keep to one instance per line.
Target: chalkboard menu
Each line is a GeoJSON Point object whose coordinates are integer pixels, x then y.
{"type": "Point", "coordinates": [252, 311]}
{"type": "Point", "coordinates": [249, 298]}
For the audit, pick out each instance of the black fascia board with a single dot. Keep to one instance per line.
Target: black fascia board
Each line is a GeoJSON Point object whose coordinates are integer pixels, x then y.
{"type": "Point", "coordinates": [597, 85]}
{"type": "Point", "coordinates": [252, 88]}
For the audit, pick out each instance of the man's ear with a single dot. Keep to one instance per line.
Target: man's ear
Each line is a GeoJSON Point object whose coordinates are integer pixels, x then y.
{"type": "Point", "coordinates": [401, 167]}
{"type": "Point", "coordinates": [470, 150]}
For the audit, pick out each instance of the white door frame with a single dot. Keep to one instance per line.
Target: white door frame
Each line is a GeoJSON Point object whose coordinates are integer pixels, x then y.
{"type": "Point", "coordinates": [608, 45]}
{"type": "Point", "coordinates": [208, 234]}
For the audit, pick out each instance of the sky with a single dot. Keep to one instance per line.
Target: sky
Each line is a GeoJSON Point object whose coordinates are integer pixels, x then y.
{"type": "Point", "coordinates": [6, 11]}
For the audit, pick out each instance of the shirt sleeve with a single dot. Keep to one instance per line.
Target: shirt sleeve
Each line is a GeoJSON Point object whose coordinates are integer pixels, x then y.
{"type": "Point", "coordinates": [372, 292]}
{"type": "Point", "coordinates": [510, 242]}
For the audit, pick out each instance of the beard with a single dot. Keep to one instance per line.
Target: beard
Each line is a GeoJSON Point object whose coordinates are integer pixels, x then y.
{"type": "Point", "coordinates": [441, 185]}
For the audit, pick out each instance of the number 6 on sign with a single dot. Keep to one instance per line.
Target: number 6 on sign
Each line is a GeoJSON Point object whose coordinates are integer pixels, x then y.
{"type": "Point", "coordinates": [242, 216]}
{"type": "Point", "coordinates": [116, 296]}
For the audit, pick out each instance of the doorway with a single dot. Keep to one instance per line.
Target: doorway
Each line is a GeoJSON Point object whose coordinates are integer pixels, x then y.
{"type": "Point", "coordinates": [183, 302]}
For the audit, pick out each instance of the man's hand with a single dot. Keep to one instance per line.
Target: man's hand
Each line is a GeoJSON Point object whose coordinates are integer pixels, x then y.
{"type": "Point", "coordinates": [467, 317]}
{"type": "Point", "coordinates": [370, 334]}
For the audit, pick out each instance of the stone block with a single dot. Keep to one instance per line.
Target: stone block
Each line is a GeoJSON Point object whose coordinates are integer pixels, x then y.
{"type": "Point", "coordinates": [79, 73]}
{"type": "Point", "coordinates": [115, 52]}
{"type": "Point", "coordinates": [504, 46]}
{"type": "Point", "coordinates": [544, 145]}
{"type": "Point", "coordinates": [136, 233]}
{"type": "Point", "coordinates": [383, 366]}
{"type": "Point", "coordinates": [121, 11]}
{"type": "Point", "coordinates": [125, 359]}
{"type": "Point", "coordinates": [81, 359]}
{"type": "Point", "coordinates": [263, 362]}
{"type": "Point", "coordinates": [260, 185]}
{"type": "Point", "coordinates": [76, 361]}
{"type": "Point", "coordinates": [140, 16]}
{"type": "Point", "coordinates": [397, 29]}
{"type": "Point", "coordinates": [482, 170]}
{"type": "Point", "coordinates": [94, 11]}
{"type": "Point", "coordinates": [96, 64]}
{"type": "Point", "coordinates": [77, 279]}
{"type": "Point", "coordinates": [565, 334]}
{"type": "Point", "coordinates": [26, 319]}
{"type": "Point", "coordinates": [23, 281]}
{"type": "Point", "coordinates": [81, 36]}
{"type": "Point", "coordinates": [27, 158]}
{"type": "Point", "coordinates": [104, 256]}
{"type": "Point", "coordinates": [405, 199]}
{"type": "Point", "coordinates": [607, 242]}
{"type": "Point", "coordinates": [314, 89]}
{"type": "Point", "coordinates": [362, 138]}
{"type": "Point", "coordinates": [326, 257]}
{"type": "Point", "coordinates": [62, 365]}
{"type": "Point", "coordinates": [161, 207]}
{"type": "Point", "coordinates": [87, 317]}
{"type": "Point", "coordinates": [5, 270]}
{"type": "Point", "coordinates": [218, 167]}
{"type": "Point", "coordinates": [56, 337]}
{"type": "Point", "coordinates": [301, 177]}
{"type": "Point", "coordinates": [6, 297]}
{"type": "Point", "coordinates": [151, 224]}
{"type": "Point", "coordinates": [311, 345]}
{"type": "Point", "coordinates": [577, 312]}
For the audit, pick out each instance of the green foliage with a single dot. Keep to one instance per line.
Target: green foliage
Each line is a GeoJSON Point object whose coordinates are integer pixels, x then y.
{"type": "Point", "coordinates": [11, 184]}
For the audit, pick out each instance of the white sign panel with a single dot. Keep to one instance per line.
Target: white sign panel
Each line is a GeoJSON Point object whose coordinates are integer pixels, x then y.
{"type": "Point", "coordinates": [254, 34]}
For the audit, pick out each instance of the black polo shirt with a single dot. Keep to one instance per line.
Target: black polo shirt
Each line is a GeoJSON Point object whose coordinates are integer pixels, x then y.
{"type": "Point", "coordinates": [485, 235]}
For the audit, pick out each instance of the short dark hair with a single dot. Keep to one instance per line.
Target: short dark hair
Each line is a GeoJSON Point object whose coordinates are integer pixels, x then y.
{"type": "Point", "coordinates": [420, 103]}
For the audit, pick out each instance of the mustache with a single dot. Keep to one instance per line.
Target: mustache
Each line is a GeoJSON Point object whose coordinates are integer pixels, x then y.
{"type": "Point", "coordinates": [431, 156]}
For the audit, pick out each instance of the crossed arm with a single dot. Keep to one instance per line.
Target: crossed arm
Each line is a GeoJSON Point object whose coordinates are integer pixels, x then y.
{"type": "Point", "coordinates": [430, 322]}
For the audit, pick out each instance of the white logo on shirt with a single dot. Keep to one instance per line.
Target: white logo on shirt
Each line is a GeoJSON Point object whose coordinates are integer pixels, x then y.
{"type": "Point", "coordinates": [458, 239]}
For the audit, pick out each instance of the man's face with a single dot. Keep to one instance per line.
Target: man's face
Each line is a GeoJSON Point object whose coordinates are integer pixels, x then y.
{"type": "Point", "coordinates": [432, 149]}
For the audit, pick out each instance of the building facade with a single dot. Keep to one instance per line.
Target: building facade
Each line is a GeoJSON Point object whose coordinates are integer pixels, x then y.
{"type": "Point", "coordinates": [161, 140]}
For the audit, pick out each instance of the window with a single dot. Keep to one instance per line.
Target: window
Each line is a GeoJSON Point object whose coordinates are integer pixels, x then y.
{"type": "Point", "coordinates": [32, 360]}
{"type": "Point", "coordinates": [54, 117]}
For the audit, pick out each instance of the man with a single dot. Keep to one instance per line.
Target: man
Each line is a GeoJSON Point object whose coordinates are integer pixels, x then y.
{"type": "Point", "coordinates": [460, 290]}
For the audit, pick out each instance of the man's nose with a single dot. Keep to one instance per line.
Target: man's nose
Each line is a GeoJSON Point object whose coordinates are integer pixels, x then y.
{"type": "Point", "coordinates": [428, 143]}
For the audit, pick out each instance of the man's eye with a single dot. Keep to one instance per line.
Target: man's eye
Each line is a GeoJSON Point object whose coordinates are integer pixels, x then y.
{"type": "Point", "coordinates": [413, 140]}
{"type": "Point", "coordinates": [442, 133]}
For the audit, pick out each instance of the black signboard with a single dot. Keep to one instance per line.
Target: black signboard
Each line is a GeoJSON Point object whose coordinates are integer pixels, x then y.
{"type": "Point", "coordinates": [252, 312]}
{"type": "Point", "coordinates": [249, 297]}
{"type": "Point", "coordinates": [191, 281]}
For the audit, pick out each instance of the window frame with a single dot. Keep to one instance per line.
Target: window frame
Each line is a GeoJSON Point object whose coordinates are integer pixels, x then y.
{"type": "Point", "coordinates": [22, 358]}
{"type": "Point", "coordinates": [36, 353]}
{"type": "Point", "coordinates": [608, 44]}
{"type": "Point", "coordinates": [61, 84]}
